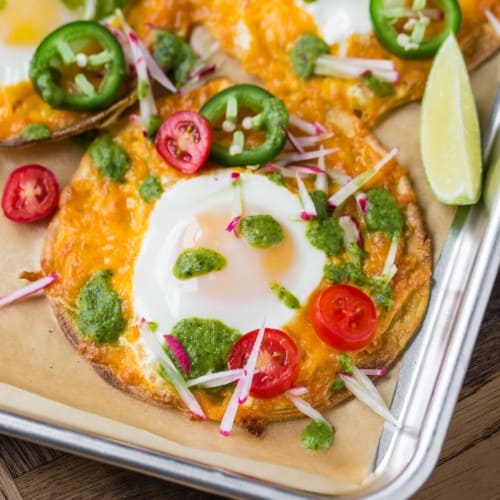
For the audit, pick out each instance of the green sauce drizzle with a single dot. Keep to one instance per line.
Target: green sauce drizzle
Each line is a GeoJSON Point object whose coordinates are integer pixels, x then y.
{"type": "Point", "coordinates": [276, 178]}
{"type": "Point", "coordinates": [351, 273]}
{"type": "Point", "coordinates": [196, 262]}
{"type": "Point", "coordinates": [99, 310]}
{"type": "Point", "coordinates": [261, 231]}
{"type": "Point", "coordinates": [337, 385]}
{"type": "Point", "coordinates": [383, 213]}
{"type": "Point", "coordinates": [110, 158]}
{"type": "Point", "coordinates": [150, 188]}
{"type": "Point", "coordinates": [318, 436]}
{"type": "Point", "coordinates": [345, 363]}
{"type": "Point", "coordinates": [324, 231]}
{"type": "Point", "coordinates": [325, 234]}
{"type": "Point", "coordinates": [174, 56]}
{"type": "Point", "coordinates": [305, 52]}
{"type": "Point", "coordinates": [379, 87]}
{"type": "Point", "coordinates": [36, 132]}
{"type": "Point", "coordinates": [287, 297]}
{"type": "Point", "coordinates": [207, 342]}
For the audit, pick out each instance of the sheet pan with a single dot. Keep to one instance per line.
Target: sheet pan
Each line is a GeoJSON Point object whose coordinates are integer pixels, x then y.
{"type": "Point", "coordinates": [463, 279]}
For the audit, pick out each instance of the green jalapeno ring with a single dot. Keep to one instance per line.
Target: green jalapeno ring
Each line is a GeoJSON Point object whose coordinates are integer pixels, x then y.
{"type": "Point", "coordinates": [387, 34]}
{"type": "Point", "coordinates": [273, 118]}
{"type": "Point", "coordinates": [53, 53]}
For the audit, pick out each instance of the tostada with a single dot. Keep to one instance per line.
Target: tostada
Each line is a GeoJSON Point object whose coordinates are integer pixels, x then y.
{"type": "Point", "coordinates": [367, 56]}
{"type": "Point", "coordinates": [247, 264]}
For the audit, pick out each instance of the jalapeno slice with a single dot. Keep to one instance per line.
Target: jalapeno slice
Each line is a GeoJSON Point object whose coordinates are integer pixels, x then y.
{"type": "Point", "coordinates": [271, 116]}
{"type": "Point", "coordinates": [413, 45]}
{"type": "Point", "coordinates": [79, 66]}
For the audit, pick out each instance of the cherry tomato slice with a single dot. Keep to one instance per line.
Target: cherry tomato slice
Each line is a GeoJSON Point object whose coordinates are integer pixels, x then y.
{"type": "Point", "coordinates": [31, 193]}
{"type": "Point", "coordinates": [344, 317]}
{"type": "Point", "coordinates": [277, 363]}
{"type": "Point", "coordinates": [184, 141]}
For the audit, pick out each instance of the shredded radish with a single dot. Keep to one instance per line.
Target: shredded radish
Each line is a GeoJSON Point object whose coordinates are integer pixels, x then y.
{"type": "Point", "coordinates": [363, 380]}
{"type": "Point", "coordinates": [293, 141]}
{"type": "Point", "coordinates": [33, 287]}
{"type": "Point", "coordinates": [325, 67]}
{"type": "Point", "coordinates": [144, 90]}
{"type": "Point", "coordinates": [217, 379]}
{"type": "Point", "coordinates": [151, 65]}
{"type": "Point", "coordinates": [297, 391]}
{"type": "Point", "coordinates": [237, 203]}
{"type": "Point", "coordinates": [166, 363]}
{"type": "Point", "coordinates": [233, 225]}
{"type": "Point", "coordinates": [355, 184]}
{"type": "Point", "coordinates": [123, 41]}
{"type": "Point", "coordinates": [321, 181]}
{"type": "Point", "coordinates": [155, 71]}
{"type": "Point", "coordinates": [306, 200]}
{"type": "Point", "coordinates": [288, 172]}
{"type": "Point", "coordinates": [373, 372]}
{"type": "Point", "coordinates": [206, 71]}
{"type": "Point", "coordinates": [288, 157]}
{"type": "Point", "coordinates": [250, 365]}
{"type": "Point", "coordinates": [369, 396]}
{"type": "Point", "coordinates": [351, 231]}
{"type": "Point", "coordinates": [307, 169]}
{"type": "Point", "coordinates": [312, 140]}
{"type": "Point", "coordinates": [361, 202]}
{"type": "Point", "coordinates": [200, 79]}
{"type": "Point", "coordinates": [350, 67]}
{"type": "Point", "coordinates": [390, 268]}
{"type": "Point", "coordinates": [270, 167]}
{"type": "Point", "coordinates": [493, 20]}
{"type": "Point", "coordinates": [382, 64]}
{"type": "Point", "coordinates": [307, 127]}
{"type": "Point", "coordinates": [338, 176]}
{"type": "Point", "coordinates": [242, 389]}
{"type": "Point", "coordinates": [318, 128]}
{"type": "Point", "coordinates": [179, 352]}
{"type": "Point", "coordinates": [305, 408]}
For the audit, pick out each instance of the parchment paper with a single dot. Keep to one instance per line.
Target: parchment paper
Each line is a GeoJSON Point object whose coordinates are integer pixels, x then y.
{"type": "Point", "coordinates": [42, 376]}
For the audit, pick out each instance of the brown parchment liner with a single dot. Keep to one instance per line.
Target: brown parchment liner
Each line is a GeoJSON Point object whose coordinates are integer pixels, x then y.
{"type": "Point", "coordinates": [43, 376]}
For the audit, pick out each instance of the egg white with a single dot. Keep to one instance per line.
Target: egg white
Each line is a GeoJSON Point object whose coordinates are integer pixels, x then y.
{"type": "Point", "coordinates": [23, 25]}
{"type": "Point", "coordinates": [194, 213]}
{"type": "Point", "coordinates": [339, 19]}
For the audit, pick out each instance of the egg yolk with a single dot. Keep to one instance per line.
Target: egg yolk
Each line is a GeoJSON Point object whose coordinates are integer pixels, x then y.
{"type": "Point", "coordinates": [249, 270]}
{"type": "Point", "coordinates": [27, 22]}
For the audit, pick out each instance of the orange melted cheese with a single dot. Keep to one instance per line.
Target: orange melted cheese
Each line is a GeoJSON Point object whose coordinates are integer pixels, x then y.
{"type": "Point", "coordinates": [272, 27]}
{"type": "Point", "coordinates": [101, 223]}
{"type": "Point", "coordinates": [20, 106]}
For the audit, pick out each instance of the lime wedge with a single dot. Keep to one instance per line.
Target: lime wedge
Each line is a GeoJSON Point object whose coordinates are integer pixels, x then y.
{"type": "Point", "coordinates": [449, 130]}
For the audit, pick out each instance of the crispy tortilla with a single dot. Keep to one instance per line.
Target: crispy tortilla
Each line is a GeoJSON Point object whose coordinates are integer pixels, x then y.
{"type": "Point", "coordinates": [101, 223]}
{"type": "Point", "coordinates": [261, 34]}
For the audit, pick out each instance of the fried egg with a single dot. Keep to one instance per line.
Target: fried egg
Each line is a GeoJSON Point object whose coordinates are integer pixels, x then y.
{"type": "Point", "coordinates": [337, 20]}
{"type": "Point", "coordinates": [23, 25]}
{"type": "Point", "coordinates": [195, 213]}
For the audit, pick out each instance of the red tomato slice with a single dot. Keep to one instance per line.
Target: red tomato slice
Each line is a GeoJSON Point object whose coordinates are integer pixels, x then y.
{"type": "Point", "coordinates": [30, 193]}
{"type": "Point", "coordinates": [277, 363]}
{"type": "Point", "coordinates": [344, 317]}
{"type": "Point", "coordinates": [184, 141]}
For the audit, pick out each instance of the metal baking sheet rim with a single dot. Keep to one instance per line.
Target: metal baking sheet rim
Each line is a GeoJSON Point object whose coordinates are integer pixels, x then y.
{"type": "Point", "coordinates": [463, 280]}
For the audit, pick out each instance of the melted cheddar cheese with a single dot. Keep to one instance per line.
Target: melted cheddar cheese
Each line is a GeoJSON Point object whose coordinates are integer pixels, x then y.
{"type": "Point", "coordinates": [101, 224]}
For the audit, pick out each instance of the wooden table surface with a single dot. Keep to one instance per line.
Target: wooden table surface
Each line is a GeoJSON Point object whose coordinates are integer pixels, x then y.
{"type": "Point", "coordinates": [468, 468]}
